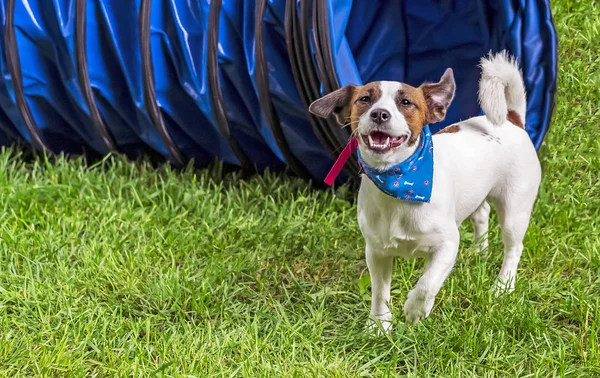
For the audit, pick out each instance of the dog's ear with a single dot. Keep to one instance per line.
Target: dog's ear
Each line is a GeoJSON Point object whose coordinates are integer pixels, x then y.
{"type": "Point", "coordinates": [337, 103]}
{"type": "Point", "coordinates": [438, 96]}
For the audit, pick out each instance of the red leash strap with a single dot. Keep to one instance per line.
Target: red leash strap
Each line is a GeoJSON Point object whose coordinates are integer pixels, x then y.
{"type": "Point", "coordinates": [341, 161]}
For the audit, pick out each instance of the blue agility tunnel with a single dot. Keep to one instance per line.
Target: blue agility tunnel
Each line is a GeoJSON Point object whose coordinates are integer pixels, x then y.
{"type": "Point", "coordinates": [232, 80]}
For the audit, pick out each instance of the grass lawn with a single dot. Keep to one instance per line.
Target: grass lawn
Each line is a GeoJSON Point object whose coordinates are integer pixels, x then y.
{"type": "Point", "coordinates": [121, 269]}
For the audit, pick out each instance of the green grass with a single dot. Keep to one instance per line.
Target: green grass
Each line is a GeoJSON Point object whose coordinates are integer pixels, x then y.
{"type": "Point", "coordinates": [119, 269]}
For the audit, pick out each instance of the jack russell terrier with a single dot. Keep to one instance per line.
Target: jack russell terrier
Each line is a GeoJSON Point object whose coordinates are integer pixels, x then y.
{"type": "Point", "coordinates": [417, 188]}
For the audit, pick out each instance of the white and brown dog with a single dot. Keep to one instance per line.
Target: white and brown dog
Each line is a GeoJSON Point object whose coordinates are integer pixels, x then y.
{"type": "Point", "coordinates": [487, 158]}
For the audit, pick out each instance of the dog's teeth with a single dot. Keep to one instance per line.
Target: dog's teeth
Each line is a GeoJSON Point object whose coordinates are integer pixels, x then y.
{"type": "Point", "coordinates": [387, 142]}
{"type": "Point", "coordinates": [370, 140]}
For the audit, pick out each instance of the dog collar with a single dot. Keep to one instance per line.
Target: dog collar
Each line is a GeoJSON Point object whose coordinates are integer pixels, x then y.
{"type": "Point", "coordinates": [410, 180]}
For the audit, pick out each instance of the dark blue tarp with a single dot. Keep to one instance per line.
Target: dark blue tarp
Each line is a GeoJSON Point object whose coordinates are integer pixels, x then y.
{"type": "Point", "coordinates": [178, 43]}
{"type": "Point", "coordinates": [292, 113]}
{"type": "Point", "coordinates": [415, 41]}
{"type": "Point", "coordinates": [45, 38]}
{"type": "Point", "coordinates": [247, 123]}
{"type": "Point", "coordinates": [114, 56]}
{"type": "Point", "coordinates": [10, 120]}
{"type": "Point", "coordinates": [191, 84]}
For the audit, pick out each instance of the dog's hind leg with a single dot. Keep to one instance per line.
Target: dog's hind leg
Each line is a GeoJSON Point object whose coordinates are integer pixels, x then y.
{"type": "Point", "coordinates": [481, 219]}
{"type": "Point", "coordinates": [514, 220]}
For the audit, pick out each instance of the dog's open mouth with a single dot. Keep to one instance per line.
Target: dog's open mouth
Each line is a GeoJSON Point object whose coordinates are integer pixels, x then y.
{"type": "Point", "coordinates": [379, 141]}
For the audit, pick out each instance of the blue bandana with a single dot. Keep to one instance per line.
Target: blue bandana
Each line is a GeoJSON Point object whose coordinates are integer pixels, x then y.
{"type": "Point", "coordinates": [412, 179]}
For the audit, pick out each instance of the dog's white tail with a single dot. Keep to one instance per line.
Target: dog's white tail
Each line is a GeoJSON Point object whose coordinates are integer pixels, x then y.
{"type": "Point", "coordinates": [501, 90]}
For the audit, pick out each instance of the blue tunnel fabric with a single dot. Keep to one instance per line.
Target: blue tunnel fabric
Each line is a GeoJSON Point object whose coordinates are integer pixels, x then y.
{"type": "Point", "coordinates": [115, 71]}
{"type": "Point", "coordinates": [415, 50]}
{"type": "Point", "coordinates": [540, 46]}
{"type": "Point", "coordinates": [175, 155]}
{"type": "Point", "coordinates": [46, 42]}
{"type": "Point", "coordinates": [430, 35]}
{"type": "Point", "coordinates": [193, 131]}
{"type": "Point", "coordinates": [291, 111]}
{"type": "Point", "coordinates": [5, 140]}
{"type": "Point", "coordinates": [258, 69]}
{"type": "Point", "coordinates": [83, 76]}
{"type": "Point", "coordinates": [8, 133]}
{"type": "Point", "coordinates": [107, 80]}
{"type": "Point", "coordinates": [11, 123]}
{"type": "Point", "coordinates": [297, 22]}
{"type": "Point", "coordinates": [247, 123]}
{"type": "Point", "coordinates": [120, 93]}
{"type": "Point", "coordinates": [208, 80]}
{"type": "Point", "coordinates": [244, 62]}
{"type": "Point", "coordinates": [297, 29]}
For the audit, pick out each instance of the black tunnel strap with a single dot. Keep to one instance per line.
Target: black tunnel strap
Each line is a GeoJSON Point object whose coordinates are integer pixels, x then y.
{"type": "Point", "coordinates": [307, 75]}
{"type": "Point", "coordinates": [216, 94]}
{"type": "Point", "coordinates": [339, 135]}
{"type": "Point", "coordinates": [327, 72]}
{"type": "Point", "coordinates": [320, 62]}
{"type": "Point", "coordinates": [306, 81]}
{"type": "Point", "coordinates": [14, 69]}
{"type": "Point", "coordinates": [322, 13]}
{"type": "Point", "coordinates": [291, 34]}
{"type": "Point", "coordinates": [83, 75]}
{"type": "Point", "coordinates": [264, 95]}
{"type": "Point", "coordinates": [149, 87]}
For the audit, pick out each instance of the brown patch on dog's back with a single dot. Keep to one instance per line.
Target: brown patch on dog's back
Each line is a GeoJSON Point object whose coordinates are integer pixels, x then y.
{"type": "Point", "coordinates": [358, 108]}
{"type": "Point", "coordinates": [449, 129]}
{"type": "Point", "coordinates": [415, 114]}
{"type": "Point", "coordinates": [514, 118]}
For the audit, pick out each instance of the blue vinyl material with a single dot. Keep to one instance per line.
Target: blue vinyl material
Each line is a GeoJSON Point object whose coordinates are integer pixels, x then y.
{"type": "Point", "coordinates": [115, 69]}
{"type": "Point", "coordinates": [10, 120]}
{"type": "Point", "coordinates": [5, 140]}
{"type": "Point", "coordinates": [415, 42]}
{"type": "Point", "coordinates": [246, 121]}
{"type": "Point", "coordinates": [46, 42]}
{"type": "Point", "coordinates": [409, 41]}
{"type": "Point", "coordinates": [104, 50]}
{"type": "Point", "coordinates": [179, 43]}
{"type": "Point", "coordinates": [285, 97]}
{"type": "Point", "coordinates": [8, 132]}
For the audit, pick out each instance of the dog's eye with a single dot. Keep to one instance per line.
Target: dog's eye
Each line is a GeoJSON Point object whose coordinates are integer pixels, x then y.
{"type": "Point", "coordinates": [405, 102]}
{"type": "Point", "coordinates": [365, 99]}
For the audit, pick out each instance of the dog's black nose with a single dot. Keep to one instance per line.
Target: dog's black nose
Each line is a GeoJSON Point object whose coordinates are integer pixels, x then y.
{"type": "Point", "coordinates": [380, 116]}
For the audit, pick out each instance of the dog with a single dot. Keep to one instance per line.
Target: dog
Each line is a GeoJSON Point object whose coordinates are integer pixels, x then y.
{"type": "Point", "coordinates": [483, 160]}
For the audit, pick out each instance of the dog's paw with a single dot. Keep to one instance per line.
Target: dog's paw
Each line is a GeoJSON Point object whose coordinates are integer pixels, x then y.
{"type": "Point", "coordinates": [379, 325]}
{"type": "Point", "coordinates": [417, 307]}
{"type": "Point", "coordinates": [480, 244]}
{"type": "Point", "coordinates": [504, 286]}
{"type": "Point", "coordinates": [482, 247]}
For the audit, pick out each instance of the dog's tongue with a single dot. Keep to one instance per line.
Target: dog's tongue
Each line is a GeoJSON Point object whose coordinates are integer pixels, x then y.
{"type": "Point", "coordinates": [379, 137]}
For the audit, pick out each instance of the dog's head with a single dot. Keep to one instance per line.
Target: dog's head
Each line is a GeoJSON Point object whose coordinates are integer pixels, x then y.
{"type": "Point", "coordinates": [387, 117]}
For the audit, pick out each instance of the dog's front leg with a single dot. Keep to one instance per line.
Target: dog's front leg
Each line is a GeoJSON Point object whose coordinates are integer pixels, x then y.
{"type": "Point", "coordinates": [419, 300]}
{"type": "Point", "coordinates": [380, 269]}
